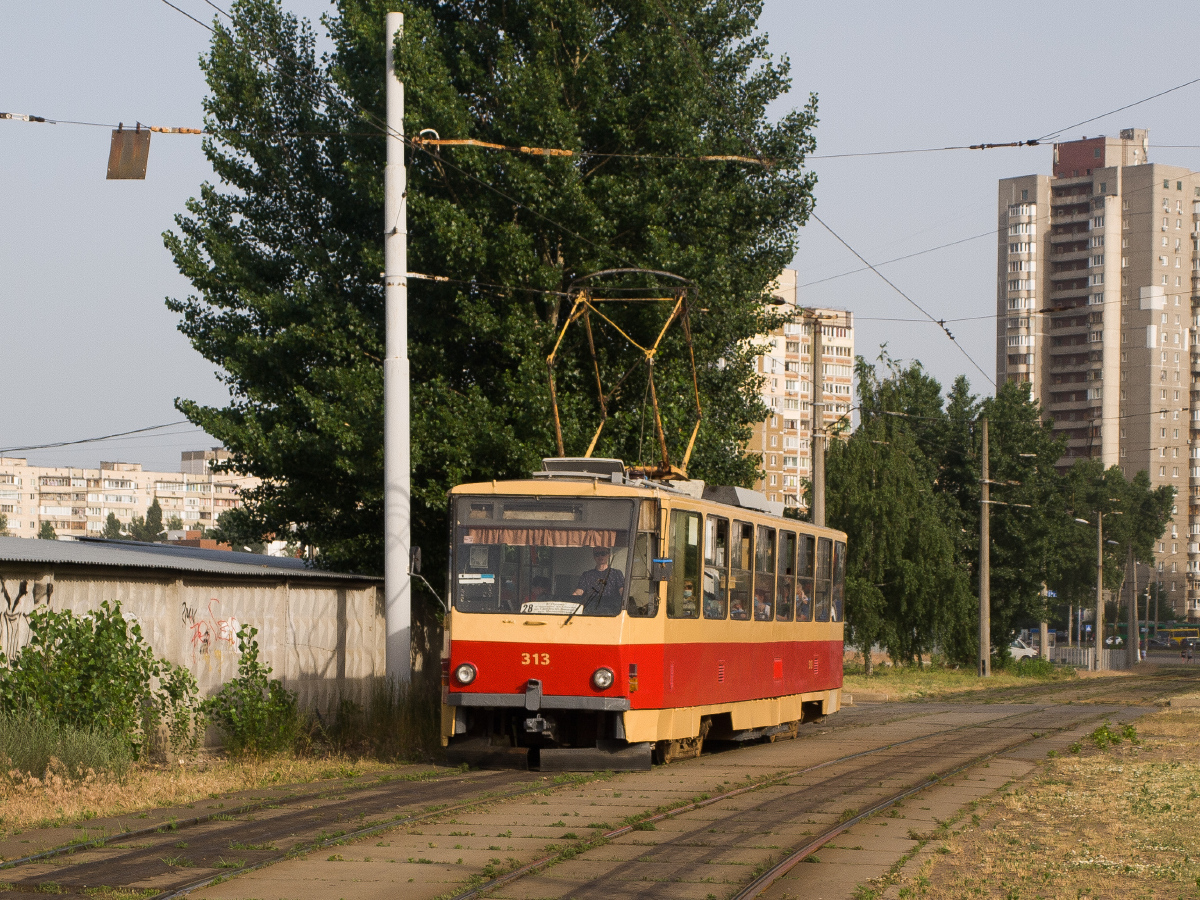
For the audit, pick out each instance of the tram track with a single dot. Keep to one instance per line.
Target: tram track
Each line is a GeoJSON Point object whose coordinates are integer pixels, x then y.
{"type": "Point", "coordinates": [689, 850]}
{"type": "Point", "coordinates": [296, 825]}
{"type": "Point", "coordinates": [307, 822]}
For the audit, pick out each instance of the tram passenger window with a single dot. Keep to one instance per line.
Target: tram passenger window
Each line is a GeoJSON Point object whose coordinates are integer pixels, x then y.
{"type": "Point", "coordinates": [740, 576]}
{"type": "Point", "coordinates": [716, 567]}
{"type": "Point", "coordinates": [764, 575]}
{"type": "Point", "coordinates": [785, 596]}
{"type": "Point", "coordinates": [824, 564]}
{"type": "Point", "coordinates": [839, 580]}
{"type": "Point", "coordinates": [643, 595]}
{"type": "Point", "coordinates": [683, 598]}
{"type": "Point", "coordinates": [804, 578]}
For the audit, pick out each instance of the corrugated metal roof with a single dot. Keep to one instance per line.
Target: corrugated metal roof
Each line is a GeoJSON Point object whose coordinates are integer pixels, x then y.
{"type": "Point", "coordinates": [134, 555]}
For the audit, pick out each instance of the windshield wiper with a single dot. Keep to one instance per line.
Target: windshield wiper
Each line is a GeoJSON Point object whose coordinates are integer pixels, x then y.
{"type": "Point", "coordinates": [596, 594]}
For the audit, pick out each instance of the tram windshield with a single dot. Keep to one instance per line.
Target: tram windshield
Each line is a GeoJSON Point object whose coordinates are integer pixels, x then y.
{"type": "Point", "coordinates": [542, 555]}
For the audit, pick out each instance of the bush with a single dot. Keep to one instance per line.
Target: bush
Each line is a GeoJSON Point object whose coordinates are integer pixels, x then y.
{"type": "Point", "coordinates": [1035, 667]}
{"type": "Point", "coordinates": [34, 745]}
{"type": "Point", "coordinates": [256, 715]}
{"type": "Point", "coordinates": [79, 670]}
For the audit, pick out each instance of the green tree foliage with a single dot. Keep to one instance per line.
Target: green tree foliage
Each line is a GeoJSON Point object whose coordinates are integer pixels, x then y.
{"type": "Point", "coordinates": [906, 487]}
{"type": "Point", "coordinates": [174, 523]}
{"type": "Point", "coordinates": [237, 527]}
{"type": "Point", "coordinates": [97, 668]}
{"type": "Point", "coordinates": [46, 532]}
{"type": "Point", "coordinates": [113, 529]}
{"type": "Point", "coordinates": [1135, 517]}
{"type": "Point", "coordinates": [256, 714]}
{"type": "Point", "coordinates": [904, 588]}
{"type": "Point", "coordinates": [150, 528]}
{"type": "Point", "coordinates": [285, 253]}
{"type": "Point", "coordinates": [4, 532]}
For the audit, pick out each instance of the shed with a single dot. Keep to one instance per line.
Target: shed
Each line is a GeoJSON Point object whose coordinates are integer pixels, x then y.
{"type": "Point", "coordinates": [322, 632]}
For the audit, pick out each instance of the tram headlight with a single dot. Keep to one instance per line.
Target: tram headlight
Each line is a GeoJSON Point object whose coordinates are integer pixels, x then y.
{"type": "Point", "coordinates": [602, 678]}
{"type": "Point", "coordinates": [465, 674]}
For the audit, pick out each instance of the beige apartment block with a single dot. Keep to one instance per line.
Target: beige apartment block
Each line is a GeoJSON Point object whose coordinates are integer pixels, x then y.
{"type": "Point", "coordinates": [784, 440]}
{"type": "Point", "coordinates": [1098, 293]}
{"type": "Point", "coordinates": [76, 502]}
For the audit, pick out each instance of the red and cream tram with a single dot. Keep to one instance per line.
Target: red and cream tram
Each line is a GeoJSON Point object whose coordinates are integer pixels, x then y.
{"type": "Point", "coordinates": [597, 617]}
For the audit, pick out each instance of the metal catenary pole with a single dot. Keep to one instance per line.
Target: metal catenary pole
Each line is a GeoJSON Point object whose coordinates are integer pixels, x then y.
{"type": "Point", "coordinates": [397, 535]}
{"type": "Point", "coordinates": [985, 575]}
{"type": "Point", "coordinates": [818, 422]}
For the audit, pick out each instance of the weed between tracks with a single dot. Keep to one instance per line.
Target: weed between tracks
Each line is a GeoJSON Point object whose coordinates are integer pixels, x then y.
{"type": "Point", "coordinates": [1115, 820]}
{"type": "Point", "coordinates": [56, 800]}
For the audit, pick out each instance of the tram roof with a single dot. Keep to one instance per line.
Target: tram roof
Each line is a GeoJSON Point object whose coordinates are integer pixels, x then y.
{"type": "Point", "coordinates": [607, 480]}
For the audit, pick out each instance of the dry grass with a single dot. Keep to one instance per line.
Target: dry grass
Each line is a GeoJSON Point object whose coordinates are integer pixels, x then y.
{"type": "Point", "coordinates": [54, 801]}
{"type": "Point", "coordinates": [907, 682]}
{"type": "Point", "coordinates": [1116, 822]}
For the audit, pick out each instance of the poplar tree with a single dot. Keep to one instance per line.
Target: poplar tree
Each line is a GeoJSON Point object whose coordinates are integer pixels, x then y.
{"type": "Point", "coordinates": [285, 251]}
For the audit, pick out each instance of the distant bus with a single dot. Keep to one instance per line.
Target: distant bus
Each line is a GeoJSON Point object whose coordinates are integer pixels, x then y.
{"type": "Point", "coordinates": [1179, 635]}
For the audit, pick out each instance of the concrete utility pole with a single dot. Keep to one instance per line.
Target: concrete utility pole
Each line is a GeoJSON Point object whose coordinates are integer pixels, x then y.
{"type": "Point", "coordinates": [397, 528]}
{"type": "Point", "coordinates": [1099, 629]}
{"type": "Point", "coordinates": [1133, 642]}
{"type": "Point", "coordinates": [818, 423]}
{"type": "Point", "coordinates": [985, 565]}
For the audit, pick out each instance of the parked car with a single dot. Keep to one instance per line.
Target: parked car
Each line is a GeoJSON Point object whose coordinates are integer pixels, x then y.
{"type": "Point", "coordinates": [1158, 643]}
{"type": "Point", "coordinates": [1018, 649]}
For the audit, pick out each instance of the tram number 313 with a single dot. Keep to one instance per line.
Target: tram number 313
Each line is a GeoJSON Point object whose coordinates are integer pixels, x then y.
{"type": "Point", "coordinates": [535, 659]}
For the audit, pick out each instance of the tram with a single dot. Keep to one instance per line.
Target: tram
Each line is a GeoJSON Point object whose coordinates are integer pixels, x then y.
{"type": "Point", "coordinates": [599, 619]}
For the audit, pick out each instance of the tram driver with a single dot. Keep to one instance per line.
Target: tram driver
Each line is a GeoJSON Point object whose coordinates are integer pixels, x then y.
{"type": "Point", "coordinates": [601, 587]}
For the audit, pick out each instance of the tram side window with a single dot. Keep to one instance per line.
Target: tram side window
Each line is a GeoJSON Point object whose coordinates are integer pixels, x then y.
{"type": "Point", "coordinates": [785, 597]}
{"type": "Point", "coordinates": [824, 564]}
{"type": "Point", "coordinates": [716, 567]}
{"type": "Point", "coordinates": [740, 576]}
{"type": "Point", "coordinates": [839, 579]}
{"type": "Point", "coordinates": [683, 601]}
{"type": "Point", "coordinates": [764, 575]}
{"type": "Point", "coordinates": [643, 595]}
{"type": "Point", "coordinates": [804, 578]}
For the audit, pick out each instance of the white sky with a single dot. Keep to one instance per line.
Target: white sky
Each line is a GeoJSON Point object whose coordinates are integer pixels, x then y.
{"type": "Point", "coordinates": [88, 348]}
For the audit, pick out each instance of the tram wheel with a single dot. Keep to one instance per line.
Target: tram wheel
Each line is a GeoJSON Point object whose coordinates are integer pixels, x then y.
{"type": "Point", "coordinates": [682, 748]}
{"type": "Point", "coordinates": [792, 732]}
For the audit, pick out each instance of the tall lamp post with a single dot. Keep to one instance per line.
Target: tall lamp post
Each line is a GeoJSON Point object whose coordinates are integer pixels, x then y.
{"type": "Point", "coordinates": [1099, 629]}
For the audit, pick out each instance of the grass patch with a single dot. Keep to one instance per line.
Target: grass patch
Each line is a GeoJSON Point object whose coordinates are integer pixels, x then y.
{"type": "Point", "coordinates": [398, 721]}
{"type": "Point", "coordinates": [1116, 818]}
{"type": "Point", "coordinates": [57, 800]}
{"type": "Point", "coordinates": [905, 682]}
{"type": "Point", "coordinates": [34, 747]}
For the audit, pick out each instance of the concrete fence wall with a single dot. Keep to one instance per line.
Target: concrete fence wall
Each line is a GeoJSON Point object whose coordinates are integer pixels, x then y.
{"type": "Point", "coordinates": [323, 638]}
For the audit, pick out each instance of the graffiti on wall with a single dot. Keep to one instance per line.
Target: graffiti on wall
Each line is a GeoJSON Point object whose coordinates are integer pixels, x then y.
{"type": "Point", "coordinates": [208, 631]}
{"type": "Point", "coordinates": [14, 613]}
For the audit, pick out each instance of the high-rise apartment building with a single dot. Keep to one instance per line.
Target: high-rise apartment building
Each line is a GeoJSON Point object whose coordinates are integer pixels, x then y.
{"type": "Point", "coordinates": [784, 439]}
{"type": "Point", "coordinates": [1098, 290]}
{"type": "Point", "coordinates": [76, 502]}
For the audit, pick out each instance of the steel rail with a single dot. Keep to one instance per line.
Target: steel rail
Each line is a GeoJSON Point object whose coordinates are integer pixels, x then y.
{"type": "Point", "coordinates": [174, 826]}
{"type": "Point", "coordinates": [541, 863]}
{"type": "Point", "coordinates": [397, 822]}
{"type": "Point", "coordinates": [781, 868]}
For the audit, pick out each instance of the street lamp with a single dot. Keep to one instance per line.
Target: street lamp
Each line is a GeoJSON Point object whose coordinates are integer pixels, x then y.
{"type": "Point", "coordinates": [1099, 629]}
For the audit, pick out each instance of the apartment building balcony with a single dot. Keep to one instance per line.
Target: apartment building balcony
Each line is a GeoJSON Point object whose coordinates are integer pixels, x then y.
{"type": "Point", "coordinates": [1070, 214]}
{"type": "Point", "coordinates": [1060, 288]}
{"type": "Point", "coordinates": [1071, 253]}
